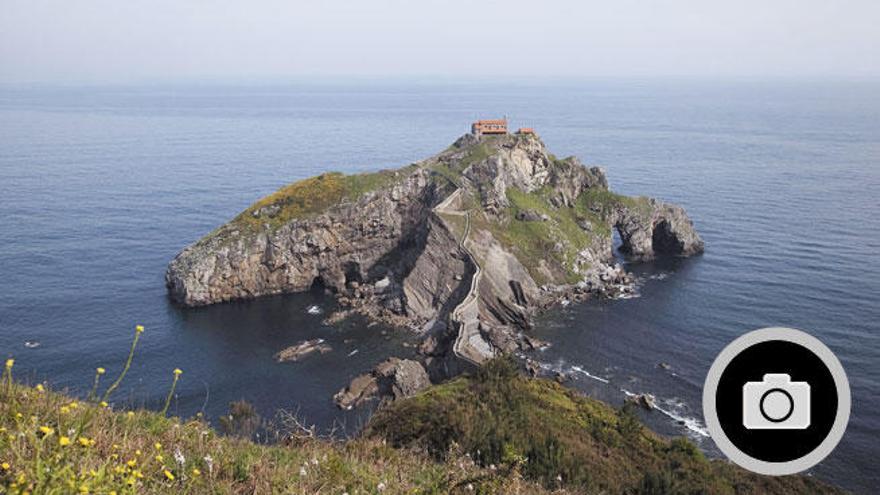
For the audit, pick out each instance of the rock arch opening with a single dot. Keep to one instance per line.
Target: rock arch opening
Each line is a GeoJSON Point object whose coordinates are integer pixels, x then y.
{"type": "Point", "coordinates": [664, 240]}
{"type": "Point", "coordinates": [619, 249]}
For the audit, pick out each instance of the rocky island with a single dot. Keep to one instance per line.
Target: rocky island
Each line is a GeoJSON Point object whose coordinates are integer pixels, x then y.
{"type": "Point", "coordinates": [462, 247]}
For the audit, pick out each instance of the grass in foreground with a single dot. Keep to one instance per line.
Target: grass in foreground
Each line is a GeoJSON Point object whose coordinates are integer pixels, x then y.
{"type": "Point", "coordinates": [51, 443]}
{"type": "Point", "coordinates": [561, 439]}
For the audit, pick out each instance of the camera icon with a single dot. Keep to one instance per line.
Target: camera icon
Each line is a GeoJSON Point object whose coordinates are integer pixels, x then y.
{"type": "Point", "coordinates": [776, 403]}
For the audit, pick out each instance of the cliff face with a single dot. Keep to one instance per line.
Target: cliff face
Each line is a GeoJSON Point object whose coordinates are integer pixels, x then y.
{"type": "Point", "coordinates": [375, 238]}
{"type": "Point", "coordinates": [462, 246]}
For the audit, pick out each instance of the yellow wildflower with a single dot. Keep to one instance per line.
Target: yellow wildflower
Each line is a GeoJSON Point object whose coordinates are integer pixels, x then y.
{"type": "Point", "coordinates": [131, 463]}
{"type": "Point", "coordinates": [19, 415]}
{"type": "Point", "coordinates": [65, 409]}
{"type": "Point", "coordinates": [86, 442]}
{"type": "Point", "coordinates": [159, 458]}
{"type": "Point", "coordinates": [5, 466]}
{"type": "Point", "coordinates": [137, 452]}
{"type": "Point", "coordinates": [130, 414]}
{"type": "Point", "coordinates": [40, 388]}
{"type": "Point", "coordinates": [178, 372]}
{"type": "Point", "coordinates": [137, 474]}
{"type": "Point", "coordinates": [64, 441]}
{"type": "Point", "coordinates": [73, 405]}
{"type": "Point", "coordinates": [101, 371]}
{"type": "Point", "coordinates": [169, 475]}
{"type": "Point", "coordinates": [139, 329]}
{"type": "Point", "coordinates": [112, 492]}
{"type": "Point", "coordinates": [46, 431]}
{"type": "Point", "coordinates": [158, 446]}
{"type": "Point", "coordinates": [104, 403]}
{"type": "Point", "coordinates": [130, 481]}
{"type": "Point", "coordinates": [118, 469]}
{"type": "Point", "coordinates": [9, 363]}
{"type": "Point", "coordinates": [84, 489]}
{"type": "Point", "coordinates": [196, 472]}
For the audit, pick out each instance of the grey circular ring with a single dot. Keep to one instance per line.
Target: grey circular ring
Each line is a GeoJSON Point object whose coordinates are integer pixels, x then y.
{"type": "Point", "coordinates": [844, 401]}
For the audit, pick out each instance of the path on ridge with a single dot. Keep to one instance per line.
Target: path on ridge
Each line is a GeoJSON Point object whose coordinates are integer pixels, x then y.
{"type": "Point", "coordinates": [469, 343]}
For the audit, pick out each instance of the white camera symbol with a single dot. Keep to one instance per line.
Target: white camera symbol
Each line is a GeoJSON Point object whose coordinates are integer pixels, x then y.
{"type": "Point", "coordinates": [776, 403]}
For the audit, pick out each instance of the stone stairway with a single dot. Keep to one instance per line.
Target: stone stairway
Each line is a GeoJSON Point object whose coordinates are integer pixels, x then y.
{"type": "Point", "coordinates": [469, 343]}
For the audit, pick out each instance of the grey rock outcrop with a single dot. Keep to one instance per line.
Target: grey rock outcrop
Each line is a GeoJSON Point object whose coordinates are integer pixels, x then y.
{"type": "Point", "coordinates": [390, 380]}
{"type": "Point", "coordinates": [659, 229]}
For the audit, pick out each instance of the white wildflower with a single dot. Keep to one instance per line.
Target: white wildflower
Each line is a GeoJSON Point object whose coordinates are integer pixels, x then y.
{"type": "Point", "coordinates": [381, 487]}
{"type": "Point", "coordinates": [178, 456]}
{"type": "Point", "coordinates": [314, 461]}
{"type": "Point", "coordinates": [302, 471]}
{"type": "Point", "coordinates": [209, 461]}
{"type": "Point", "coordinates": [470, 487]}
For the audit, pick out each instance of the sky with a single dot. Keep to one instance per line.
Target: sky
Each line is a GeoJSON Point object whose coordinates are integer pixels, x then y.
{"type": "Point", "coordinates": [115, 41]}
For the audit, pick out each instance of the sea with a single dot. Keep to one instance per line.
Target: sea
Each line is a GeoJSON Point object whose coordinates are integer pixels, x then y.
{"type": "Point", "coordinates": [101, 186]}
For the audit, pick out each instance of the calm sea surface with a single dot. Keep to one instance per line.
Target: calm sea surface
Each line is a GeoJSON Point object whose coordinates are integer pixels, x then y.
{"type": "Point", "coordinates": [101, 187]}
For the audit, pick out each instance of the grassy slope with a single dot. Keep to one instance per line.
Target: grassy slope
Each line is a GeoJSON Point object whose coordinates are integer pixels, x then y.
{"type": "Point", "coordinates": [551, 433]}
{"type": "Point", "coordinates": [314, 195]}
{"type": "Point", "coordinates": [532, 429]}
{"type": "Point", "coordinates": [134, 452]}
{"type": "Point", "coordinates": [556, 242]}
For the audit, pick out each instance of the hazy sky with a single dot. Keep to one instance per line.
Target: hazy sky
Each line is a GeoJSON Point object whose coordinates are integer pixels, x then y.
{"type": "Point", "coordinates": [70, 41]}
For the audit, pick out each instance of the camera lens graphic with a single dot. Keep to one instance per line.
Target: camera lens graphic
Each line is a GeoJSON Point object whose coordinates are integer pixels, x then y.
{"type": "Point", "coordinates": [776, 405]}
{"type": "Point", "coordinates": [776, 401]}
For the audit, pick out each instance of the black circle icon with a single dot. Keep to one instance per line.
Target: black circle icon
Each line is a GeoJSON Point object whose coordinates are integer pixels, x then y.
{"type": "Point", "coordinates": [776, 401]}
{"type": "Point", "coordinates": [775, 437]}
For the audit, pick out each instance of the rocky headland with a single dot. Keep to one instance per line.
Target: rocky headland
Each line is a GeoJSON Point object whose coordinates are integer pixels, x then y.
{"type": "Point", "coordinates": [462, 247]}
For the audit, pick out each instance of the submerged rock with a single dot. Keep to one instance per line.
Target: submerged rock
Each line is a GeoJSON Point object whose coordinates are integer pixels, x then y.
{"type": "Point", "coordinates": [361, 389]}
{"type": "Point", "coordinates": [302, 349]}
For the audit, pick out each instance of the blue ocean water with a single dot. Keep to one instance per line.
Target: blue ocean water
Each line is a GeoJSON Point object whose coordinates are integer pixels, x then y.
{"type": "Point", "coordinates": [100, 187]}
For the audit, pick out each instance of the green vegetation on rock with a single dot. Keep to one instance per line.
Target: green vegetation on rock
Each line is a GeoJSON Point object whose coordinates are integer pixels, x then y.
{"type": "Point", "coordinates": [452, 171]}
{"type": "Point", "coordinates": [557, 437]}
{"type": "Point", "coordinates": [602, 202]}
{"type": "Point", "coordinates": [555, 241]}
{"type": "Point", "coordinates": [315, 195]}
